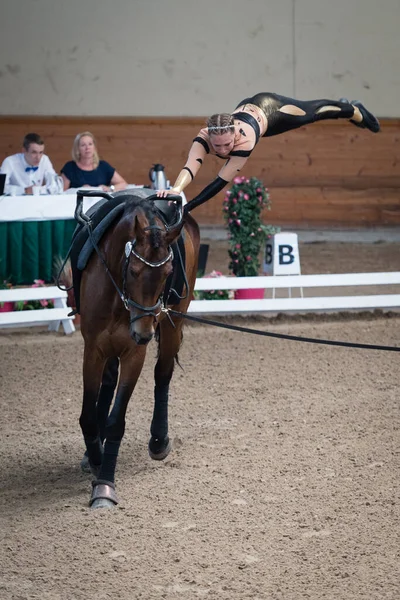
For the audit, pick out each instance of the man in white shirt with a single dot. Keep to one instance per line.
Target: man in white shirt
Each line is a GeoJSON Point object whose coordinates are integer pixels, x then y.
{"type": "Point", "coordinates": [29, 168]}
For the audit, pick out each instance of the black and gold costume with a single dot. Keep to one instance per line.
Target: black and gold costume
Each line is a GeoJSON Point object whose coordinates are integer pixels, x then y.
{"type": "Point", "coordinates": [262, 116]}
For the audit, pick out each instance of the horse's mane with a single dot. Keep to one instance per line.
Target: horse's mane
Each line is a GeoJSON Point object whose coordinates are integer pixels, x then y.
{"type": "Point", "coordinates": [149, 210]}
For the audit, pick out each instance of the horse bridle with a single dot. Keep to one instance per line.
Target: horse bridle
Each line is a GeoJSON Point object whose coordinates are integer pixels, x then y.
{"type": "Point", "coordinates": [148, 311]}
{"type": "Point", "coordinates": [129, 250]}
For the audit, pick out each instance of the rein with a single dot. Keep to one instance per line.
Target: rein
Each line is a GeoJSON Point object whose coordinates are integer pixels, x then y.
{"type": "Point", "coordinates": [283, 336]}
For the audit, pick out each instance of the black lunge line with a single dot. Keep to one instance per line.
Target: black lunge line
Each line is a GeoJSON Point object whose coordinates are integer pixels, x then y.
{"type": "Point", "coordinates": [283, 336]}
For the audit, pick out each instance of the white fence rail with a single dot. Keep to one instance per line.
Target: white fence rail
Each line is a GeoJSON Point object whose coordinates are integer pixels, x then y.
{"type": "Point", "coordinates": [311, 303]}
{"type": "Point", "coordinates": [59, 314]}
{"type": "Point", "coordinates": [51, 316]}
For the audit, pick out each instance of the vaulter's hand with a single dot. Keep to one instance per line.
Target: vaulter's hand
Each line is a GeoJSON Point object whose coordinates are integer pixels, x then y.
{"type": "Point", "coordinates": [164, 193]}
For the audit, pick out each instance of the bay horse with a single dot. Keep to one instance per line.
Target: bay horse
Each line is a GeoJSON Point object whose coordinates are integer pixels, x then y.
{"type": "Point", "coordinates": [123, 306]}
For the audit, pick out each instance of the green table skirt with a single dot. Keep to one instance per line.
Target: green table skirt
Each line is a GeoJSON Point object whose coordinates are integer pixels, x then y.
{"type": "Point", "coordinates": [28, 249]}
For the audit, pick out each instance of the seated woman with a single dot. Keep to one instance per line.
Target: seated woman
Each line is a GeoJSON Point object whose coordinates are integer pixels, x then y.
{"type": "Point", "coordinates": [87, 170]}
{"type": "Point", "coordinates": [233, 136]}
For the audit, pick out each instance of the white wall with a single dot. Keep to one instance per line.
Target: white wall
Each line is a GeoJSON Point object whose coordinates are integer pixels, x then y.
{"type": "Point", "coordinates": [194, 57]}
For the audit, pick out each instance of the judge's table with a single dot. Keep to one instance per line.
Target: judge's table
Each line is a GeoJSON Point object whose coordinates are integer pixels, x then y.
{"type": "Point", "coordinates": [34, 232]}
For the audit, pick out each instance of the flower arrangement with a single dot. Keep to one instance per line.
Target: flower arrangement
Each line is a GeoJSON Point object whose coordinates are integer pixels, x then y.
{"type": "Point", "coordinates": [214, 294]}
{"type": "Point", "coordinates": [242, 208]}
{"type": "Point", "coordinates": [34, 304]}
{"type": "Point", "coordinates": [6, 306]}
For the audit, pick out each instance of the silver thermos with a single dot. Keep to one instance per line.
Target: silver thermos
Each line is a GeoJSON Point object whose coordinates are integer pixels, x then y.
{"type": "Point", "coordinates": [157, 177]}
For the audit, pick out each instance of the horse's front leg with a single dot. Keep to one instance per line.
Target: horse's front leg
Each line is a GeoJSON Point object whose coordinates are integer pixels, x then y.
{"type": "Point", "coordinates": [103, 493]}
{"type": "Point", "coordinates": [169, 344]}
{"type": "Point", "coordinates": [106, 394]}
{"type": "Point", "coordinates": [93, 365]}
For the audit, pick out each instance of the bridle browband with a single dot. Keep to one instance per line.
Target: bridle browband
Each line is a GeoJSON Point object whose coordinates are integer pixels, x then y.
{"type": "Point", "coordinates": [148, 311]}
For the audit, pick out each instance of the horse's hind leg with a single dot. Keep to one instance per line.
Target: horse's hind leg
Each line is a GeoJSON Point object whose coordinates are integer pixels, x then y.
{"type": "Point", "coordinates": [169, 344]}
{"type": "Point", "coordinates": [106, 394]}
{"type": "Point", "coordinates": [103, 494]}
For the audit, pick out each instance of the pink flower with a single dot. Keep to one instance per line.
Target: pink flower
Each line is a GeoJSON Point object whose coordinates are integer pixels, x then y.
{"type": "Point", "coordinates": [238, 221]}
{"type": "Point", "coordinates": [252, 234]}
{"type": "Point", "coordinates": [226, 208]}
{"type": "Point", "coordinates": [246, 197]}
{"type": "Point", "coordinates": [258, 190]}
{"type": "Point", "coordinates": [228, 193]}
{"type": "Point", "coordinates": [237, 180]}
{"type": "Point", "coordinates": [44, 303]}
{"type": "Point", "coordinates": [234, 200]}
{"type": "Point", "coordinates": [248, 258]}
{"type": "Point", "coordinates": [238, 246]}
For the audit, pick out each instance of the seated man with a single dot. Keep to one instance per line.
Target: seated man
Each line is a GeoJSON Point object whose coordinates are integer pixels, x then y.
{"type": "Point", "coordinates": [29, 168]}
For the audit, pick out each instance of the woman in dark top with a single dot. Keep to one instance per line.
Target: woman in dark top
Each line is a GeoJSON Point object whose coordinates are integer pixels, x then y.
{"type": "Point", "coordinates": [233, 136]}
{"type": "Point", "coordinates": [87, 170]}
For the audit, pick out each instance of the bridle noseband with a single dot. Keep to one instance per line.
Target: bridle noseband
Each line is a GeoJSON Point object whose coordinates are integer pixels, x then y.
{"type": "Point", "coordinates": [148, 311]}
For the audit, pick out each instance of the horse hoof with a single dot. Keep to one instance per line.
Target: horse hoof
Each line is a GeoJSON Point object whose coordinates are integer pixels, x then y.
{"type": "Point", "coordinates": [103, 495]}
{"type": "Point", "coordinates": [159, 449]}
{"type": "Point", "coordinates": [102, 503]}
{"type": "Point", "coordinates": [85, 466]}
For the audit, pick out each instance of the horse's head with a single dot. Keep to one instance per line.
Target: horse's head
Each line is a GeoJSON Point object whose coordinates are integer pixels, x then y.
{"type": "Point", "coordinates": [148, 262]}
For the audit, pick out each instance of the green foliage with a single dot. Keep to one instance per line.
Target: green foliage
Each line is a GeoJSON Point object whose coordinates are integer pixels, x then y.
{"type": "Point", "coordinates": [242, 208]}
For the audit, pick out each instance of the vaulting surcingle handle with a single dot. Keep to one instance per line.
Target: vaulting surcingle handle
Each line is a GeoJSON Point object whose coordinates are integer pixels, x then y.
{"type": "Point", "coordinates": [79, 215]}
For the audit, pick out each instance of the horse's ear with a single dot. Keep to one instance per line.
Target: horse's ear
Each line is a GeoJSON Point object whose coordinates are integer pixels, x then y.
{"type": "Point", "coordinates": [174, 232]}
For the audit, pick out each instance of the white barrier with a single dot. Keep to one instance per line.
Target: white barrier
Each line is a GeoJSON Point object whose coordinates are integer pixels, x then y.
{"type": "Point", "coordinates": [53, 316]}
{"type": "Point", "coordinates": [59, 314]}
{"type": "Point", "coordinates": [313, 303]}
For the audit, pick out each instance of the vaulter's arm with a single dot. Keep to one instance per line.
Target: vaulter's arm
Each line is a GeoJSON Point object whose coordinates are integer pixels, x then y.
{"type": "Point", "coordinates": [195, 159]}
{"type": "Point", "coordinates": [230, 169]}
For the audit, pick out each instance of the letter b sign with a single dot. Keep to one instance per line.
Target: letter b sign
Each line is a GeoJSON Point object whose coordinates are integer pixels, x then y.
{"type": "Point", "coordinates": [282, 255]}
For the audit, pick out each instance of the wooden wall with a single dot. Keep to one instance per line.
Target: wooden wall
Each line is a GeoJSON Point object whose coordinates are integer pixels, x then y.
{"type": "Point", "coordinates": [324, 175]}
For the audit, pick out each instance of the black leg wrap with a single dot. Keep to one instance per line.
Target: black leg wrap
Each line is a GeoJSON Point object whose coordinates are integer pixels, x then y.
{"type": "Point", "coordinates": [159, 424]}
{"type": "Point", "coordinates": [94, 450]}
{"type": "Point", "coordinates": [109, 463]}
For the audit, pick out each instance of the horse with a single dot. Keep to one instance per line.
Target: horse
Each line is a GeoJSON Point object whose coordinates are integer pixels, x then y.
{"type": "Point", "coordinates": [123, 306]}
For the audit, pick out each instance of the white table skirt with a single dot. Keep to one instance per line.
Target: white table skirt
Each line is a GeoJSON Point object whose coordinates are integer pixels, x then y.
{"type": "Point", "coordinates": [45, 207]}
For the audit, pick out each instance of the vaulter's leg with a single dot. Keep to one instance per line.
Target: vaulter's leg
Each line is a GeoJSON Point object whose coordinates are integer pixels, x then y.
{"type": "Point", "coordinates": [169, 343]}
{"type": "Point", "coordinates": [286, 113]}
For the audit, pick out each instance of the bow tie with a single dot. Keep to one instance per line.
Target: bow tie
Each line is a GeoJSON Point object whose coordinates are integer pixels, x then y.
{"type": "Point", "coordinates": [27, 169]}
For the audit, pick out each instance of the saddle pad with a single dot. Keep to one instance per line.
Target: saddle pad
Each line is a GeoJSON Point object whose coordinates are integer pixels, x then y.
{"type": "Point", "coordinates": [97, 234]}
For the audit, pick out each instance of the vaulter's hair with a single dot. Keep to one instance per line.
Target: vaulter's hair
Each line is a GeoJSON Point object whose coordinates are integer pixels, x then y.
{"type": "Point", "coordinates": [76, 155]}
{"type": "Point", "coordinates": [220, 123]}
{"type": "Point", "coordinates": [32, 138]}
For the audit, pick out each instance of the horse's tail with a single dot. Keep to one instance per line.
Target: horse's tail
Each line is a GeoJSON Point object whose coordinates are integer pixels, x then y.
{"type": "Point", "coordinates": [62, 273]}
